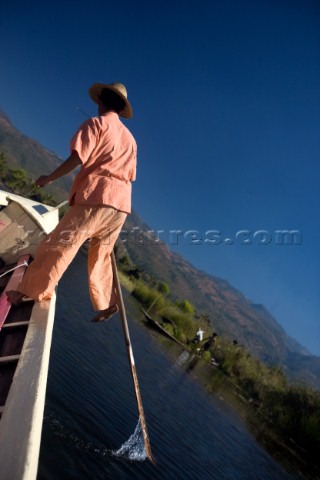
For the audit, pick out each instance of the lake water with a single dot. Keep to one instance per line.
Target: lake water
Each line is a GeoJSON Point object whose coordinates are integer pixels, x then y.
{"type": "Point", "coordinates": [91, 408]}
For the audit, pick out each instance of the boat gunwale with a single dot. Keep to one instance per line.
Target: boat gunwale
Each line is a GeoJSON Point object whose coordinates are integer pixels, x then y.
{"type": "Point", "coordinates": [22, 415]}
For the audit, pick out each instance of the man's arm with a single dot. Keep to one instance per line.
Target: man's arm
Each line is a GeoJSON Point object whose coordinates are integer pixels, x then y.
{"type": "Point", "coordinates": [66, 167]}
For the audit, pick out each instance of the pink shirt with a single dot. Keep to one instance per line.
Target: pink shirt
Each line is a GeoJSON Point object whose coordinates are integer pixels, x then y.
{"type": "Point", "coordinates": [108, 153]}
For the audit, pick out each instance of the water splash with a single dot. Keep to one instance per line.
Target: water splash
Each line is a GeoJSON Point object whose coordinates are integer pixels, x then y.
{"type": "Point", "coordinates": [133, 449]}
{"type": "Point", "coordinates": [60, 431]}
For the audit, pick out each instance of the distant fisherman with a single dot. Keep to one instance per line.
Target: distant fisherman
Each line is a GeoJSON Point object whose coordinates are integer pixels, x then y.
{"type": "Point", "coordinates": [100, 200]}
{"type": "Point", "coordinates": [199, 334]}
{"type": "Point", "coordinates": [209, 343]}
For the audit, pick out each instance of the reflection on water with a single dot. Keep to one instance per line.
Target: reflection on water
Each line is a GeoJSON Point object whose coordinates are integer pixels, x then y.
{"type": "Point", "coordinates": [91, 407]}
{"type": "Point", "coordinates": [181, 360]}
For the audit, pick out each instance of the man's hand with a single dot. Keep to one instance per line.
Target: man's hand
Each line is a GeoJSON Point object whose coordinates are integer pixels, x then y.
{"type": "Point", "coordinates": [42, 181]}
{"type": "Point", "coordinates": [66, 167]}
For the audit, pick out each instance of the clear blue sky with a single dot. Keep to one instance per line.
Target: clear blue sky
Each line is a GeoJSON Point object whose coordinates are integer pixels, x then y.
{"type": "Point", "coordinates": [226, 99]}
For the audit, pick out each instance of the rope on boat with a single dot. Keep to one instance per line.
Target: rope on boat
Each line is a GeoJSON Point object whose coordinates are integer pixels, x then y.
{"type": "Point", "coordinates": [24, 264]}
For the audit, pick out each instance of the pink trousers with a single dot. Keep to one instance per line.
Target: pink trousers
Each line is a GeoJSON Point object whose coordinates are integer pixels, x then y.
{"type": "Point", "coordinates": [100, 224]}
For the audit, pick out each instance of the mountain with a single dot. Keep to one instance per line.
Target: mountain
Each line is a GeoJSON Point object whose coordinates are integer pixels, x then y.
{"type": "Point", "coordinates": [230, 312]}
{"type": "Point", "coordinates": [24, 152]}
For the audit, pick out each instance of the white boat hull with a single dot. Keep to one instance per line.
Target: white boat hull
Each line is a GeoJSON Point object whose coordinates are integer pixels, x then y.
{"type": "Point", "coordinates": [23, 223]}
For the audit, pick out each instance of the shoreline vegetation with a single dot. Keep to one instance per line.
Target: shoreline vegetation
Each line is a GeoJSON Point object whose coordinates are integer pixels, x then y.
{"type": "Point", "coordinates": [283, 416]}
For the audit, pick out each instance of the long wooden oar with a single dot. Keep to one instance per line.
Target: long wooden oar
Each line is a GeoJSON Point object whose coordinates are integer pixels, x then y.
{"type": "Point", "coordinates": [131, 359]}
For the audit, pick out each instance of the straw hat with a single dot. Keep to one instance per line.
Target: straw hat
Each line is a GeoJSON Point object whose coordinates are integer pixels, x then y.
{"type": "Point", "coordinates": [96, 89]}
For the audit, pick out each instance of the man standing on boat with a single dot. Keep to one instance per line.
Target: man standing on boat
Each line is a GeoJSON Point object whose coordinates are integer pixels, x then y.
{"type": "Point", "coordinates": [100, 200]}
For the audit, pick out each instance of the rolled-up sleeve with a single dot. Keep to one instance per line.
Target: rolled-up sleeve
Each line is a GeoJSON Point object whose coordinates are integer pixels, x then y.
{"type": "Point", "coordinates": [84, 140]}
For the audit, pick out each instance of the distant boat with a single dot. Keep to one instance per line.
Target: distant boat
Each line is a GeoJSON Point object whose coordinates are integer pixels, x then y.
{"type": "Point", "coordinates": [25, 338]}
{"type": "Point", "coordinates": [159, 327]}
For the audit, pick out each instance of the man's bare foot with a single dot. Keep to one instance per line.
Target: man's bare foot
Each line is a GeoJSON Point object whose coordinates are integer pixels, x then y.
{"type": "Point", "coordinates": [105, 314]}
{"type": "Point", "coordinates": [14, 297]}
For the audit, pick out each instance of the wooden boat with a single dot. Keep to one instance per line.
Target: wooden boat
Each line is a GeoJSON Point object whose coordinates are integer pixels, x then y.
{"type": "Point", "coordinates": [25, 338]}
{"type": "Point", "coordinates": [159, 327]}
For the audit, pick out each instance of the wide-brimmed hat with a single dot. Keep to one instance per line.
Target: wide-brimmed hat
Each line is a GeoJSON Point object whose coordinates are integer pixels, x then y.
{"type": "Point", "coordinates": [96, 89]}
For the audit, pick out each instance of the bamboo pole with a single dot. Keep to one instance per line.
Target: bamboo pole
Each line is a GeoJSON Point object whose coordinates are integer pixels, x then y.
{"type": "Point", "coordinates": [131, 359]}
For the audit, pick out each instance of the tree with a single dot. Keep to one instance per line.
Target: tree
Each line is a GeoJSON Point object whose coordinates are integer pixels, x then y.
{"type": "Point", "coordinates": [164, 288]}
{"type": "Point", "coordinates": [17, 179]}
{"type": "Point", "coordinates": [186, 306]}
{"type": "Point", "coordinates": [3, 165]}
{"type": "Point", "coordinates": [124, 261]}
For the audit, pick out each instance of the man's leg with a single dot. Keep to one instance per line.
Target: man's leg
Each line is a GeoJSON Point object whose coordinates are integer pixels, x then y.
{"type": "Point", "coordinates": [53, 256]}
{"type": "Point", "coordinates": [101, 286]}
